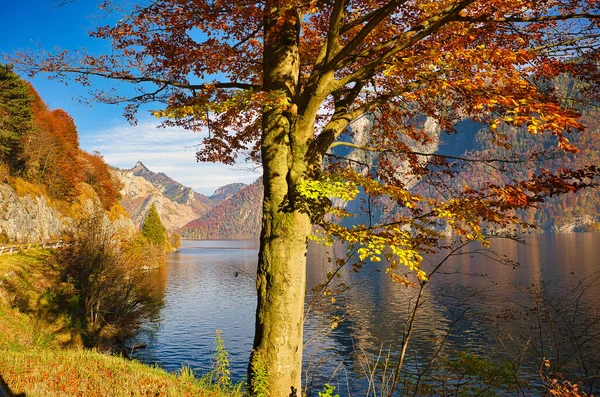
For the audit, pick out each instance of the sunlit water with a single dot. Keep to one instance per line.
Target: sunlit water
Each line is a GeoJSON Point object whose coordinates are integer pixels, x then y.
{"type": "Point", "coordinates": [487, 306]}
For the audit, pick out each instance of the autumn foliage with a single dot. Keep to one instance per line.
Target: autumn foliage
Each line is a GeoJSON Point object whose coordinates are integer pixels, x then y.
{"type": "Point", "coordinates": [42, 145]}
{"type": "Point", "coordinates": [282, 82]}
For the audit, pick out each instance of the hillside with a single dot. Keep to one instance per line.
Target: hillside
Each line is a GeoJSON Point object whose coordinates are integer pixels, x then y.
{"type": "Point", "coordinates": [238, 217]}
{"type": "Point", "coordinates": [46, 181]}
{"type": "Point", "coordinates": [579, 211]}
{"type": "Point", "coordinates": [40, 355]}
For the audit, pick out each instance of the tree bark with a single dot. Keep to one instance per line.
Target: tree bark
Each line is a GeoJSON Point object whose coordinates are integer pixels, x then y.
{"type": "Point", "coordinates": [281, 285]}
{"type": "Point", "coordinates": [276, 363]}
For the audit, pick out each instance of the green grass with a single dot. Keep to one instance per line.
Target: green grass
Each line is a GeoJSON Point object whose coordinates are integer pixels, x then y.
{"type": "Point", "coordinates": [40, 356]}
{"type": "Point", "coordinates": [24, 323]}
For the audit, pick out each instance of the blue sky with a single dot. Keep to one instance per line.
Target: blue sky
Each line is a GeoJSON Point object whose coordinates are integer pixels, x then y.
{"type": "Point", "coordinates": [31, 24]}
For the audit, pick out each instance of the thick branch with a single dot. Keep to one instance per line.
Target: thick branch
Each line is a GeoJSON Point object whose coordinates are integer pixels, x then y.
{"type": "Point", "coordinates": [340, 120]}
{"type": "Point", "coordinates": [373, 23]}
{"type": "Point", "coordinates": [444, 156]}
{"type": "Point", "coordinates": [406, 40]}
{"type": "Point", "coordinates": [333, 33]}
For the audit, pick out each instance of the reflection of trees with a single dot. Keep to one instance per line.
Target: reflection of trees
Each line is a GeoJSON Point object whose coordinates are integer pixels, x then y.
{"type": "Point", "coordinates": [373, 311]}
{"type": "Point", "coordinates": [482, 283]}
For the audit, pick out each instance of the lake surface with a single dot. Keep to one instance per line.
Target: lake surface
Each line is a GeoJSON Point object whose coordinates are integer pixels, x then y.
{"type": "Point", "coordinates": [545, 303]}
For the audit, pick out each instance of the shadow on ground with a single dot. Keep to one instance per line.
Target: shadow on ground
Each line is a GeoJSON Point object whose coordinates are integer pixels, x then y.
{"type": "Point", "coordinates": [5, 390]}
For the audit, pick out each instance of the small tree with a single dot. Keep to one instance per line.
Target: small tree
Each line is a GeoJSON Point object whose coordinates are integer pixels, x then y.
{"type": "Point", "coordinates": [153, 229]}
{"type": "Point", "coordinates": [103, 289]}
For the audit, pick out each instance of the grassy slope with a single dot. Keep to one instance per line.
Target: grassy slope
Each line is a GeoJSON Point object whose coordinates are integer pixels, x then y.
{"type": "Point", "coordinates": [34, 359]}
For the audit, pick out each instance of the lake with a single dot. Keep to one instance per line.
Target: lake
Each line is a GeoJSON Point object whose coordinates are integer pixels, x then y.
{"type": "Point", "coordinates": [533, 300]}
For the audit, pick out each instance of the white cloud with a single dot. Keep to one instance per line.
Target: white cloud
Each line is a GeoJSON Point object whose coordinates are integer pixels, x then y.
{"type": "Point", "coordinates": [167, 150]}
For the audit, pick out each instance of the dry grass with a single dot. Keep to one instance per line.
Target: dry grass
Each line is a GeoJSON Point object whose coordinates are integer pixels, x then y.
{"type": "Point", "coordinates": [88, 373]}
{"type": "Point", "coordinates": [34, 362]}
{"type": "Point", "coordinates": [24, 188]}
{"type": "Point", "coordinates": [24, 280]}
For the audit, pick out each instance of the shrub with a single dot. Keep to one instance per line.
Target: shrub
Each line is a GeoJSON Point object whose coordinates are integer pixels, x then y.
{"type": "Point", "coordinates": [104, 288]}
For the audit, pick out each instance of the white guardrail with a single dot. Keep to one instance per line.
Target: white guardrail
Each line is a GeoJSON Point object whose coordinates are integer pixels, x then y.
{"type": "Point", "coordinates": [14, 248]}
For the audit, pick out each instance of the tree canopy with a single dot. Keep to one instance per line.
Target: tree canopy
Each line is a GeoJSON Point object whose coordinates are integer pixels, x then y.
{"type": "Point", "coordinates": [15, 113]}
{"type": "Point", "coordinates": [281, 82]}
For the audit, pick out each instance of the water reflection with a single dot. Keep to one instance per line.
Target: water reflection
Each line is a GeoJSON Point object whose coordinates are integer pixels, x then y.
{"type": "Point", "coordinates": [210, 285]}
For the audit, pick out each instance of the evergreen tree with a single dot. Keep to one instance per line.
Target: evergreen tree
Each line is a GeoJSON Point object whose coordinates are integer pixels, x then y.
{"type": "Point", "coordinates": [153, 229]}
{"type": "Point", "coordinates": [15, 115]}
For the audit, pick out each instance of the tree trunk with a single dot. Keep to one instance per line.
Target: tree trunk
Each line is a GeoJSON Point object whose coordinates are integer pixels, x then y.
{"type": "Point", "coordinates": [276, 363]}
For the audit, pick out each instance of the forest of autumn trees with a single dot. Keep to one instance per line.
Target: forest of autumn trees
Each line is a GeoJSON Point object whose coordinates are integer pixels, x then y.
{"type": "Point", "coordinates": [279, 82]}
{"type": "Point", "coordinates": [42, 146]}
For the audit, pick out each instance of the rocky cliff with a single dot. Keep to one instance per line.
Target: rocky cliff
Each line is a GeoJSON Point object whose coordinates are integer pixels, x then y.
{"type": "Point", "coordinates": [225, 192]}
{"type": "Point", "coordinates": [173, 190]}
{"type": "Point", "coordinates": [32, 217]}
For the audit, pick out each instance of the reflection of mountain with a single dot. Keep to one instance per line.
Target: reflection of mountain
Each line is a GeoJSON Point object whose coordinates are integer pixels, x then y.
{"type": "Point", "coordinates": [238, 217]}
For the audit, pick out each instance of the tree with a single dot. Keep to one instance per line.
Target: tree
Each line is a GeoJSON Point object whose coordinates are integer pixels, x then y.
{"type": "Point", "coordinates": [15, 114]}
{"type": "Point", "coordinates": [281, 81]}
{"type": "Point", "coordinates": [153, 229]}
{"type": "Point", "coordinates": [50, 151]}
{"type": "Point", "coordinates": [103, 287]}
{"type": "Point", "coordinates": [97, 174]}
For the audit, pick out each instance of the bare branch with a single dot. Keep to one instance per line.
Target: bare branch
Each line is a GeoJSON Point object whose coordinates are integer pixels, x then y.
{"type": "Point", "coordinates": [514, 19]}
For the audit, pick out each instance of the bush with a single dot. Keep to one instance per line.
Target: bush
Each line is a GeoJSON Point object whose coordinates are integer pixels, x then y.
{"type": "Point", "coordinates": [103, 285]}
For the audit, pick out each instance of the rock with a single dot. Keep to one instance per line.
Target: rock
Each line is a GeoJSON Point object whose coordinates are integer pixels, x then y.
{"type": "Point", "coordinates": [31, 219]}
{"type": "Point", "coordinates": [28, 218]}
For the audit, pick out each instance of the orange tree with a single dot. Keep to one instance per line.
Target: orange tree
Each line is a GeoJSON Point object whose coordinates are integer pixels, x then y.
{"type": "Point", "coordinates": [281, 81]}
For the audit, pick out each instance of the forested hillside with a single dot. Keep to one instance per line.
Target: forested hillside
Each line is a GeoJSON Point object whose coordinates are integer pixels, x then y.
{"type": "Point", "coordinates": [518, 154]}
{"type": "Point", "coordinates": [238, 217]}
{"type": "Point", "coordinates": [40, 154]}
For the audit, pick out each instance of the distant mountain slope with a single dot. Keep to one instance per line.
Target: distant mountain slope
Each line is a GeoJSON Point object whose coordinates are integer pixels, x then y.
{"type": "Point", "coordinates": [173, 190]}
{"type": "Point", "coordinates": [225, 192]}
{"type": "Point", "coordinates": [238, 217]}
{"type": "Point", "coordinates": [138, 195]}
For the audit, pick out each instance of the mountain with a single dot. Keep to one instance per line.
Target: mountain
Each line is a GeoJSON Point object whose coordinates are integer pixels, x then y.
{"type": "Point", "coordinates": [138, 194]}
{"type": "Point", "coordinates": [178, 205]}
{"type": "Point", "coordinates": [238, 217]}
{"type": "Point", "coordinates": [173, 190]}
{"type": "Point", "coordinates": [225, 192]}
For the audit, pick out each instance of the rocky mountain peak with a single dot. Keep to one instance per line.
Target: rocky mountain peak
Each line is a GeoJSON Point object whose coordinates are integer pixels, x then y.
{"type": "Point", "coordinates": [141, 170]}
{"type": "Point", "coordinates": [139, 166]}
